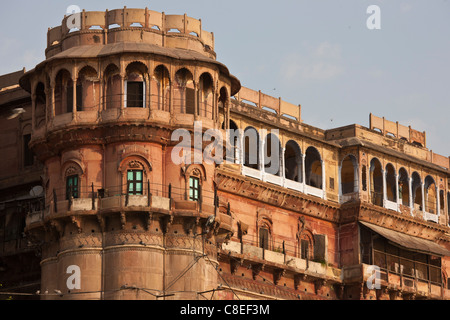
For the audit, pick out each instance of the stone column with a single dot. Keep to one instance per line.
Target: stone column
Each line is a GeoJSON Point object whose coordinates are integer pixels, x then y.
{"type": "Point", "coordinates": [438, 201]}
{"type": "Point", "coordinates": [303, 169]}
{"type": "Point", "coordinates": [423, 196]}
{"type": "Point", "coordinates": [383, 173]}
{"type": "Point", "coordinates": [411, 198]}
{"type": "Point", "coordinates": [282, 165]}
{"type": "Point", "coordinates": [74, 99]}
{"type": "Point", "coordinates": [397, 192]}
{"type": "Point", "coordinates": [262, 154]}
{"type": "Point", "coordinates": [324, 181]}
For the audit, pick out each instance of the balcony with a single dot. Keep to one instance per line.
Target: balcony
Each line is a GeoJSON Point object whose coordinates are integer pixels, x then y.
{"type": "Point", "coordinates": [154, 198]}
{"type": "Point", "coordinates": [282, 256]}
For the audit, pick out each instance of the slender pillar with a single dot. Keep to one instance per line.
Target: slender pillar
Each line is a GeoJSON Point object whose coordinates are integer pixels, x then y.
{"type": "Point", "coordinates": [383, 173]}
{"type": "Point", "coordinates": [438, 202]}
{"type": "Point", "coordinates": [303, 169]}
{"type": "Point", "coordinates": [282, 165]}
{"type": "Point", "coordinates": [397, 192]}
{"type": "Point", "coordinates": [411, 198]}
{"type": "Point", "coordinates": [423, 196]}
{"type": "Point", "coordinates": [324, 181]}
{"type": "Point", "coordinates": [74, 99]}
{"type": "Point", "coordinates": [262, 153]}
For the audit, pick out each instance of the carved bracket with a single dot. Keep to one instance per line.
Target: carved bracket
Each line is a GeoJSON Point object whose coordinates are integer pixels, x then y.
{"type": "Point", "coordinates": [166, 222]}
{"type": "Point", "coordinates": [256, 270]}
{"type": "Point", "coordinates": [123, 220]}
{"type": "Point", "coordinates": [77, 222]}
{"type": "Point", "coordinates": [277, 275]}
{"type": "Point", "coordinates": [234, 265]}
{"type": "Point", "coordinates": [318, 284]}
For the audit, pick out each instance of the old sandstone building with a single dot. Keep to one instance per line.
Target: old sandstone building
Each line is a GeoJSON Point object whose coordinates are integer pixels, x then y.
{"type": "Point", "coordinates": [92, 205]}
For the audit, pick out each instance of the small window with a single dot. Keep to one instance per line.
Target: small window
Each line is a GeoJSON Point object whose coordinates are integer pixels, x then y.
{"type": "Point", "coordinates": [135, 182]}
{"type": "Point", "coordinates": [304, 249]}
{"type": "Point", "coordinates": [135, 94]}
{"type": "Point", "coordinates": [264, 238]}
{"type": "Point", "coordinates": [28, 157]}
{"type": "Point", "coordinates": [72, 187]}
{"type": "Point", "coordinates": [194, 189]}
{"type": "Point", "coordinates": [190, 101]}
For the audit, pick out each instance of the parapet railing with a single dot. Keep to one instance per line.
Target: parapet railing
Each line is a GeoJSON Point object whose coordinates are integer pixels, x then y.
{"type": "Point", "coordinates": [413, 274]}
{"type": "Point", "coordinates": [95, 197]}
{"type": "Point", "coordinates": [268, 103]}
{"type": "Point", "coordinates": [133, 18]}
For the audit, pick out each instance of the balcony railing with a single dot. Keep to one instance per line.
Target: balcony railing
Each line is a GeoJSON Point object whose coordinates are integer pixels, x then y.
{"type": "Point", "coordinates": [409, 274]}
{"type": "Point", "coordinates": [152, 195]}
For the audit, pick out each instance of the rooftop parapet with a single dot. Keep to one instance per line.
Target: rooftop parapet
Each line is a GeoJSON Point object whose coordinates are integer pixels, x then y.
{"type": "Point", "coordinates": [268, 103]}
{"type": "Point", "coordinates": [101, 28]}
{"type": "Point", "coordinates": [398, 131]}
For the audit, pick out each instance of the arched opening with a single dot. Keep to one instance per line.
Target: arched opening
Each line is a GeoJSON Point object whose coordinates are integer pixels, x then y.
{"type": "Point", "coordinates": [430, 195]}
{"type": "Point", "coordinates": [293, 162]}
{"type": "Point", "coordinates": [313, 168]}
{"type": "Point", "coordinates": [233, 150]}
{"type": "Point", "coordinates": [63, 93]}
{"type": "Point", "coordinates": [376, 182]}
{"type": "Point", "coordinates": [88, 90]}
{"type": "Point", "coordinates": [112, 87]}
{"type": "Point", "coordinates": [40, 105]}
{"type": "Point", "coordinates": [391, 187]}
{"type": "Point", "coordinates": [135, 85]}
{"type": "Point", "coordinates": [416, 187]}
{"type": "Point", "coordinates": [206, 90]}
{"type": "Point", "coordinates": [403, 187]}
{"type": "Point", "coordinates": [184, 92]}
{"type": "Point", "coordinates": [349, 175]}
{"type": "Point", "coordinates": [272, 154]}
{"type": "Point", "coordinates": [251, 148]}
{"type": "Point", "coordinates": [223, 100]}
{"type": "Point", "coordinates": [441, 201]}
{"type": "Point", "coordinates": [161, 89]}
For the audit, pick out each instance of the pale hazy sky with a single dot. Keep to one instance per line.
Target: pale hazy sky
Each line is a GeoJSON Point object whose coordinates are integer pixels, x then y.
{"type": "Point", "coordinates": [317, 53]}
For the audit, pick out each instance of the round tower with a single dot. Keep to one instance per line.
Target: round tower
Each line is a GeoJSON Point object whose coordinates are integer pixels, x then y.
{"type": "Point", "coordinates": [122, 220]}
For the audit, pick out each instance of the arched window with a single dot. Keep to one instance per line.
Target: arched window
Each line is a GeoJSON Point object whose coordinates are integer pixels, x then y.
{"type": "Point", "coordinates": [223, 100]}
{"type": "Point", "coordinates": [161, 89]}
{"type": "Point", "coordinates": [135, 171]}
{"type": "Point", "coordinates": [416, 186]}
{"type": "Point", "coordinates": [349, 175]}
{"type": "Point", "coordinates": [63, 92]}
{"type": "Point", "coordinates": [184, 99]}
{"type": "Point", "coordinates": [251, 148]}
{"type": "Point", "coordinates": [391, 187]}
{"type": "Point", "coordinates": [112, 87]}
{"type": "Point", "coordinates": [72, 177]}
{"type": "Point", "coordinates": [272, 154]}
{"type": "Point", "coordinates": [293, 162]}
{"type": "Point", "coordinates": [87, 90]}
{"type": "Point", "coordinates": [206, 90]}
{"type": "Point", "coordinates": [376, 182]}
{"type": "Point", "coordinates": [135, 85]}
{"type": "Point", "coordinates": [234, 143]}
{"type": "Point", "coordinates": [403, 187]}
{"type": "Point", "coordinates": [265, 233]}
{"type": "Point", "coordinates": [313, 167]}
{"type": "Point", "coordinates": [430, 195]}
